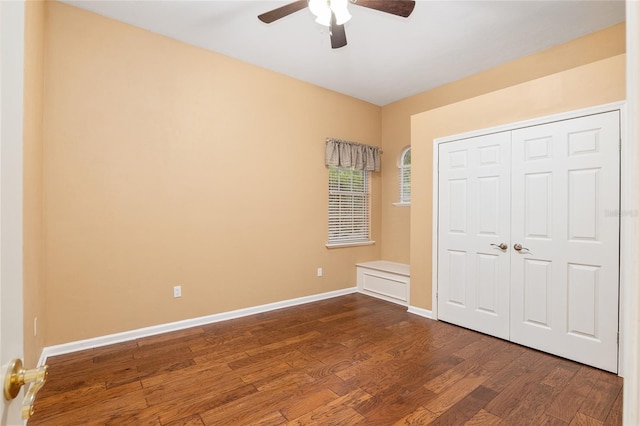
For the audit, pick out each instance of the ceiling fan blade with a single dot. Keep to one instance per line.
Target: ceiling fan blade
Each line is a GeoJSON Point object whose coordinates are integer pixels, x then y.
{"type": "Point", "coordinates": [395, 7]}
{"type": "Point", "coordinates": [281, 12]}
{"type": "Point", "coordinates": [338, 36]}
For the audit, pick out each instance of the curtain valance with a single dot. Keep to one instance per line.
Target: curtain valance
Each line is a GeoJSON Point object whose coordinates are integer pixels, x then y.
{"type": "Point", "coordinates": [352, 154]}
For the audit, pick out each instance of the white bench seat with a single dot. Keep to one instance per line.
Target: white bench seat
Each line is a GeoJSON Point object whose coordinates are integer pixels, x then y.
{"type": "Point", "coordinates": [385, 280]}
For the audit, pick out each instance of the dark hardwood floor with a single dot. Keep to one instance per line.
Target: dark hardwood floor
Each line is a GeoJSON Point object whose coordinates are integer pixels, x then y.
{"type": "Point", "coordinates": [343, 361]}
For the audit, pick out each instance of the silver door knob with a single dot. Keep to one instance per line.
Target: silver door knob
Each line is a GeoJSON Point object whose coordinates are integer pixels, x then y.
{"type": "Point", "coordinates": [519, 248]}
{"type": "Point", "coordinates": [501, 246]}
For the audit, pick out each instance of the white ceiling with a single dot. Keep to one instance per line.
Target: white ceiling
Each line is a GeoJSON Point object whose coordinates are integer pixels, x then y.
{"type": "Point", "coordinates": [387, 57]}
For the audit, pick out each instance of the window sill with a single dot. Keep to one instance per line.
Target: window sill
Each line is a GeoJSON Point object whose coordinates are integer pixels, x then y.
{"type": "Point", "coordinates": [402, 204]}
{"type": "Point", "coordinates": [354, 244]}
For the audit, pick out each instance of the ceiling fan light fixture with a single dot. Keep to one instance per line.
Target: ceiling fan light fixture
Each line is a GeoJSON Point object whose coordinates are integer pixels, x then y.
{"type": "Point", "coordinates": [322, 10]}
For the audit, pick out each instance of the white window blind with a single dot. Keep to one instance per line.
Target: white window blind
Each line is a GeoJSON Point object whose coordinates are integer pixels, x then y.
{"type": "Point", "coordinates": [405, 176]}
{"type": "Point", "coordinates": [348, 206]}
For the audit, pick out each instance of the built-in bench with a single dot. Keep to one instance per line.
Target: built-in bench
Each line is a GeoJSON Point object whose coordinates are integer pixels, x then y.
{"type": "Point", "coordinates": [385, 280]}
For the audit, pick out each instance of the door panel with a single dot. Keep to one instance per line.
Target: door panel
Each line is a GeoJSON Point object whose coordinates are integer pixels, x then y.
{"type": "Point", "coordinates": [564, 288]}
{"type": "Point", "coordinates": [538, 213]}
{"type": "Point", "coordinates": [488, 216]}
{"type": "Point", "coordinates": [473, 275]}
{"type": "Point", "coordinates": [583, 204]}
{"type": "Point", "coordinates": [582, 308]}
{"type": "Point", "coordinates": [458, 278]}
{"type": "Point", "coordinates": [458, 206]}
{"type": "Point", "coordinates": [488, 283]}
{"type": "Point", "coordinates": [537, 292]}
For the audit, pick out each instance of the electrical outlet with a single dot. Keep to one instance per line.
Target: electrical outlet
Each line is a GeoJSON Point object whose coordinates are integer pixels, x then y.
{"type": "Point", "coordinates": [319, 272]}
{"type": "Point", "coordinates": [177, 291]}
{"type": "Point", "coordinates": [35, 327]}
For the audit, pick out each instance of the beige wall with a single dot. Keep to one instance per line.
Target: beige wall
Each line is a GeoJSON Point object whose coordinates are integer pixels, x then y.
{"type": "Point", "coordinates": [33, 284]}
{"type": "Point", "coordinates": [165, 165]}
{"type": "Point", "coordinates": [597, 83]}
{"type": "Point", "coordinates": [396, 127]}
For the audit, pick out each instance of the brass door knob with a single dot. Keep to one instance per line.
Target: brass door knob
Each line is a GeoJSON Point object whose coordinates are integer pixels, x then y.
{"type": "Point", "coordinates": [18, 376]}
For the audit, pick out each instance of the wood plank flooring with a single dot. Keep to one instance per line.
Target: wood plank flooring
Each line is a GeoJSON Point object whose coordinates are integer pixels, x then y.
{"type": "Point", "coordinates": [344, 361]}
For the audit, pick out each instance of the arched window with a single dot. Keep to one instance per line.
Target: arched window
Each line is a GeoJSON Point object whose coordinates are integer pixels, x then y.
{"type": "Point", "coordinates": [404, 166]}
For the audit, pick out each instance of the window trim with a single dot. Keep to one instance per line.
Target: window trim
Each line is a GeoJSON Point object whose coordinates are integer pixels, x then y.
{"type": "Point", "coordinates": [402, 168]}
{"type": "Point", "coordinates": [354, 244]}
{"type": "Point", "coordinates": [402, 204]}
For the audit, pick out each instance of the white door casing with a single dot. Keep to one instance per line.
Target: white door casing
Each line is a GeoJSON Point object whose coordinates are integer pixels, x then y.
{"type": "Point", "coordinates": [474, 215]}
{"type": "Point", "coordinates": [565, 211]}
{"type": "Point", "coordinates": [630, 225]}
{"type": "Point", "coordinates": [563, 203]}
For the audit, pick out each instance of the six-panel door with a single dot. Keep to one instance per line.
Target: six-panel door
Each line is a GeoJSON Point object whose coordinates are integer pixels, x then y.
{"type": "Point", "coordinates": [565, 201]}
{"type": "Point", "coordinates": [474, 215]}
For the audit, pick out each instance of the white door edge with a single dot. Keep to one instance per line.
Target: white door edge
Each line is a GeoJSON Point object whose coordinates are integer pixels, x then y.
{"type": "Point", "coordinates": [12, 16]}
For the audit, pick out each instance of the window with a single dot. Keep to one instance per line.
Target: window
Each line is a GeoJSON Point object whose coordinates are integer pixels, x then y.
{"type": "Point", "coordinates": [405, 176]}
{"type": "Point", "coordinates": [348, 206]}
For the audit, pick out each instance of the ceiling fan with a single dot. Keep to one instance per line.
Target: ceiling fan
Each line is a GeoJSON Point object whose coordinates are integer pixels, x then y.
{"type": "Point", "coordinates": [334, 13]}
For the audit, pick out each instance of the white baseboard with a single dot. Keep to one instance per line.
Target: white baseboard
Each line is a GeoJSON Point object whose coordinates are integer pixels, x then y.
{"type": "Point", "coordinates": [110, 339]}
{"type": "Point", "coordinates": [419, 311]}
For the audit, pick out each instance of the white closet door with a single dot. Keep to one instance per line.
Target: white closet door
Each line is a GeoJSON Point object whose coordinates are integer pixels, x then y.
{"type": "Point", "coordinates": [565, 200]}
{"type": "Point", "coordinates": [474, 215]}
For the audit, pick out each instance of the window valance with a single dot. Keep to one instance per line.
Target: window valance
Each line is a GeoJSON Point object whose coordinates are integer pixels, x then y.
{"type": "Point", "coordinates": [352, 154]}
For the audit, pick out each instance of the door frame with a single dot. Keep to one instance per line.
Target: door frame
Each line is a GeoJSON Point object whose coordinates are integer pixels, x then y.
{"type": "Point", "coordinates": [628, 201]}
{"type": "Point", "coordinates": [630, 273]}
